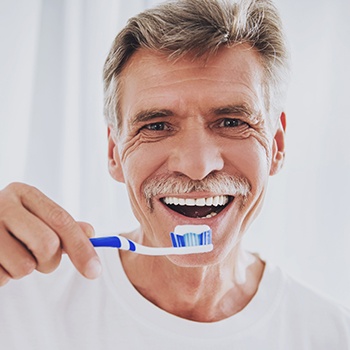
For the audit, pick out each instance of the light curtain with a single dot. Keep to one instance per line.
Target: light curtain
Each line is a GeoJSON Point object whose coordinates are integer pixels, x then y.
{"type": "Point", "coordinates": [52, 133]}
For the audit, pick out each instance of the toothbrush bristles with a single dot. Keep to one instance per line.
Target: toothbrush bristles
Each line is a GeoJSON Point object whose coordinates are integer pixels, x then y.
{"type": "Point", "coordinates": [191, 239]}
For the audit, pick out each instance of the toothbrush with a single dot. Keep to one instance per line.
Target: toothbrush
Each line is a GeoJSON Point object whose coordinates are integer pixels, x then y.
{"type": "Point", "coordinates": [186, 239]}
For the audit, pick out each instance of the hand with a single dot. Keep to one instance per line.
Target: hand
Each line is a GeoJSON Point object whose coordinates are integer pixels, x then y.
{"type": "Point", "coordinates": [35, 231]}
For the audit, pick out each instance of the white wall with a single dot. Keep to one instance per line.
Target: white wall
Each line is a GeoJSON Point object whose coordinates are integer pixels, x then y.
{"type": "Point", "coordinates": [52, 133]}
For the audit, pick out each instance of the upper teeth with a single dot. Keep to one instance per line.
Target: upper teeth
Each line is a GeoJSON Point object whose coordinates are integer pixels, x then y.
{"type": "Point", "coordinates": [200, 202]}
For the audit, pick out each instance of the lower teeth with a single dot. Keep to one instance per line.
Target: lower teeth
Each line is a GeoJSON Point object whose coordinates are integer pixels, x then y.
{"type": "Point", "coordinates": [209, 215]}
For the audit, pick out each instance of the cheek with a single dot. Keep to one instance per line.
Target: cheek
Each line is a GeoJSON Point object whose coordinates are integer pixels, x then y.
{"type": "Point", "coordinates": [250, 158]}
{"type": "Point", "coordinates": [255, 166]}
{"type": "Point", "coordinates": [140, 160]}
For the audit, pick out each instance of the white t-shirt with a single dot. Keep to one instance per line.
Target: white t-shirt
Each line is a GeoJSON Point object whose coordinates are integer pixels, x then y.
{"type": "Point", "coordinates": [65, 311]}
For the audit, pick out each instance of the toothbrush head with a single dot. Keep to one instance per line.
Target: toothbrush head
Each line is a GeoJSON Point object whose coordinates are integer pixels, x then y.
{"type": "Point", "coordinates": [191, 236]}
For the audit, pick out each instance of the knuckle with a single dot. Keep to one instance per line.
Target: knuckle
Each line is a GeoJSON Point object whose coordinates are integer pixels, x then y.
{"type": "Point", "coordinates": [47, 248]}
{"type": "Point", "coordinates": [49, 266]}
{"type": "Point", "coordinates": [7, 196]}
{"type": "Point", "coordinates": [14, 186]}
{"type": "Point", "coordinates": [17, 191]}
{"type": "Point", "coordinates": [4, 277]}
{"type": "Point", "coordinates": [4, 280]}
{"type": "Point", "coordinates": [60, 219]}
{"type": "Point", "coordinates": [5, 210]}
{"type": "Point", "coordinates": [17, 188]}
{"type": "Point", "coordinates": [25, 268]}
{"type": "Point", "coordinates": [29, 191]}
{"type": "Point", "coordinates": [51, 246]}
{"type": "Point", "coordinates": [12, 193]}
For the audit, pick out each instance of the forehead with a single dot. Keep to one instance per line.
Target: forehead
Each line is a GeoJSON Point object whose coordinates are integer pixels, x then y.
{"type": "Point", "coordinates": [152, 80]}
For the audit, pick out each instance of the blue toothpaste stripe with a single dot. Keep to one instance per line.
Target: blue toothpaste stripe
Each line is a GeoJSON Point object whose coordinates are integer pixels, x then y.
{"type": "Point", "coordinates": [191, 239]}
{"type": "Point", "coordinates": [173, 239]}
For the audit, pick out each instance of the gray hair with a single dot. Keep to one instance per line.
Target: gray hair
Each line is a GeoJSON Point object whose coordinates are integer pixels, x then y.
{"type": "Point", "coordinates": [201, 27]}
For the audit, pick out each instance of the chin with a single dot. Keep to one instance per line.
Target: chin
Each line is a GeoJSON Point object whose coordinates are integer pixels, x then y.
{"type": "Point", "coordinates": [216, 256]}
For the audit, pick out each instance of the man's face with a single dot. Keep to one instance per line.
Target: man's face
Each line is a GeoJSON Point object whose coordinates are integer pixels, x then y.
{"type": "Point", "coordinates": [196, 137]}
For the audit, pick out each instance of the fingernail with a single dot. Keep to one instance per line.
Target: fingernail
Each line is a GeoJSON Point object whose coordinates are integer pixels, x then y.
{"type": "Point", "coordinates": [93, 268]}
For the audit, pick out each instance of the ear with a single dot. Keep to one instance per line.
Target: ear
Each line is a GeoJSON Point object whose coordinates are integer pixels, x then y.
{"type": "Point", "coordinates": [278, 146]}
{"type": "Point", "coordinates": [114, 163]}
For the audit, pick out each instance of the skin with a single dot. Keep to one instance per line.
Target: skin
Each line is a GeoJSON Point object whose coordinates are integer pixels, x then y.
{"type": "Point", "coordinates": [35, 232]}
{"type": "Point", "coordinates": [200, 98]}
{"type": "Point", "coordinates": [218, 102]}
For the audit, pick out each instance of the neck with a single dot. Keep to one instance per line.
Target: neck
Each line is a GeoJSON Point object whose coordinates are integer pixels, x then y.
{"type": "Point", "coordinates": [202, 294]}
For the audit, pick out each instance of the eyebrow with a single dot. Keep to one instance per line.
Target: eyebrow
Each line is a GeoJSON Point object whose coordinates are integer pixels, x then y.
{"type": "Point", "coordinates": [150, 114]}
{"type": "Point", "coordinates": [233, 110]}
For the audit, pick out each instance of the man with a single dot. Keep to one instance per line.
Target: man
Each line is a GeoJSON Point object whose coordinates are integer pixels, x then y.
{"type": "Point", "coordinates": [194, 95]}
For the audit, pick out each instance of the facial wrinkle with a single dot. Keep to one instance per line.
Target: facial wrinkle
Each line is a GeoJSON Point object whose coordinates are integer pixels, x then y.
{"type": "Point", "coordinates": [129, 146]}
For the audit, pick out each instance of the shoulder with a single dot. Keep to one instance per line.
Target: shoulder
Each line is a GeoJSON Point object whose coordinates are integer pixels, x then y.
{"type": "Point", "coordinates": [309, 311]}
{"type": "Point", "coordinates": [310, 299]}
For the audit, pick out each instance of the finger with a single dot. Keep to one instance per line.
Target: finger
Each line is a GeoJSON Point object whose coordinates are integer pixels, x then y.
{"type": "Point", "coordinates": [73, 240]}
{"type": "Point", "coordinates": [41, 241]}
{"type": "Point", "coordinates": [87, 228]}
{"type": "Point", "coordinates": [4, 276]}
{"type": "Point", "coordinates": [14, 257]}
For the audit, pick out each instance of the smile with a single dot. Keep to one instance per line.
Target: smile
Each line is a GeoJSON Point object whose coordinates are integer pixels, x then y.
{"type": "Point", "coordinates": [198, 207]}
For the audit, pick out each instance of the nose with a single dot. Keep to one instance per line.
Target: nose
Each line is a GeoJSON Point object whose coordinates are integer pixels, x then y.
{"type": "Point", "coordinates": [195, 154]}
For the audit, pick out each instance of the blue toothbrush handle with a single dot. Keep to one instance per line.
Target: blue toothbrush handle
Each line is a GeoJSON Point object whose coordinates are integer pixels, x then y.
{"type": "Point", "coordinates": [113, 242]}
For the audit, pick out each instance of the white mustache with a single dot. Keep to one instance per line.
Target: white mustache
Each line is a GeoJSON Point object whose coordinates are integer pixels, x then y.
{"type": "Point", "coordinates": [214, 183]}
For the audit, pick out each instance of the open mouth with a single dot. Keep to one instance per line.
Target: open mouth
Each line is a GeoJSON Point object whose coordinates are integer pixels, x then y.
{"type": "Point", "coordinates": [198, 207]}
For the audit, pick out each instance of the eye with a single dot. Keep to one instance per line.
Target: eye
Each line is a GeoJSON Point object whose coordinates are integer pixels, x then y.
{"type": "Point", "coordinates": [159, 126]}
{"type": "Point", "coordinates": [231, 123]}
